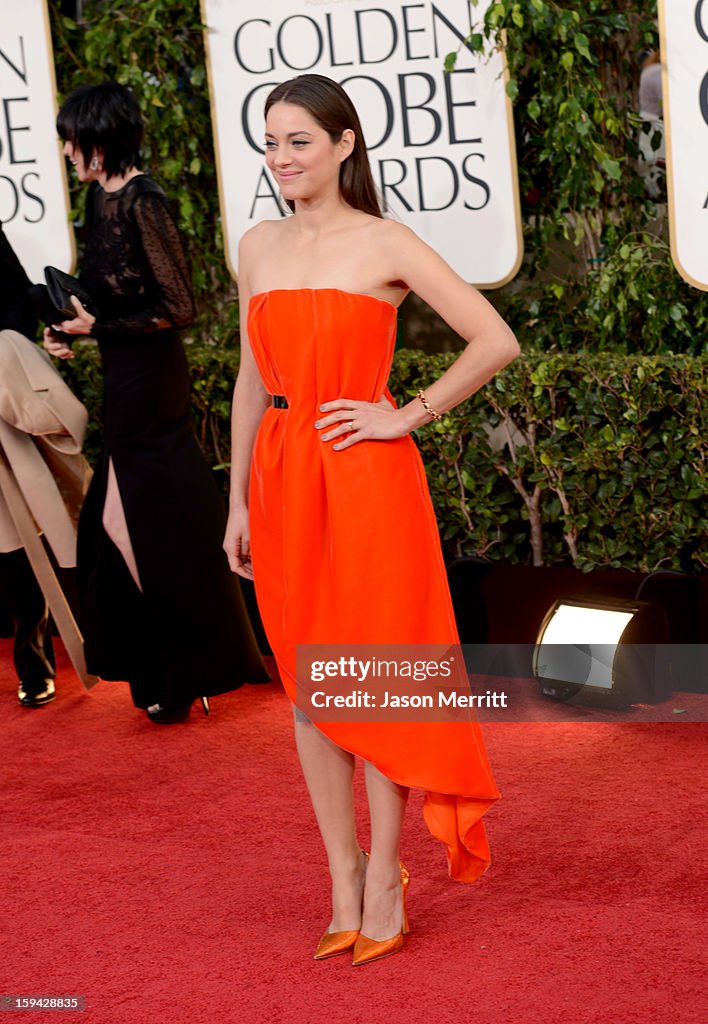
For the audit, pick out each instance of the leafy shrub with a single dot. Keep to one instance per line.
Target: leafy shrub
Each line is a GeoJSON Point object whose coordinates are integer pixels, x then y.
{"type": "Point", "coordinates": [602, 462]}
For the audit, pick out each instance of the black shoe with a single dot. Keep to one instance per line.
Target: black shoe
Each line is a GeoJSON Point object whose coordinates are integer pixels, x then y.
{"type": "Point", "coordinates": [170, 716]}
{"type": "Point", "coordinates": [35, 695]}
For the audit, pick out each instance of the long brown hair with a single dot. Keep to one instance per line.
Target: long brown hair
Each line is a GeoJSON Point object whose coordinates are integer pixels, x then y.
{"type": "Point", "coordinates": [329, 105]}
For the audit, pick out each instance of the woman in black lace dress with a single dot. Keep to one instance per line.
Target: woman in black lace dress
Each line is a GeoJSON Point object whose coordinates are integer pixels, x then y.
{"type": "Point", "coordinates": [159, 605]}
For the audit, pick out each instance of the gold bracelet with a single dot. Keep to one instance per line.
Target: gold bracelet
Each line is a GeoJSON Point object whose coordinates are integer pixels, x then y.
{"type": "Point", "coordinates": [428, 407]}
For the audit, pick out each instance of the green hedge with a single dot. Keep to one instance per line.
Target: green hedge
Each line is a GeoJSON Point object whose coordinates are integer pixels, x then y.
{"type": "Point", "coordinates": [603, 462]}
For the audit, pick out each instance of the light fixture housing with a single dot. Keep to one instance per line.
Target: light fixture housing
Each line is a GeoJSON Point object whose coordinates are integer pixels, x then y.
{"type": "Point", "coordinates": [603, 652]}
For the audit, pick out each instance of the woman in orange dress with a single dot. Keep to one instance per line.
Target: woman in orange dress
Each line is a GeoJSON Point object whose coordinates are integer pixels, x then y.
{"type": "Point", "coordinates": [330, 512]}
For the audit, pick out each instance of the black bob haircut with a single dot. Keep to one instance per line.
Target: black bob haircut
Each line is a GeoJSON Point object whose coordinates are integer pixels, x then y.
{"type": "Point", "coordinates": [106, 118]}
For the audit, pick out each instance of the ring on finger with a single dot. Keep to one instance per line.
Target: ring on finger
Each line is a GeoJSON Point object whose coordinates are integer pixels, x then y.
{"type": "Point", "coordinates": [350, 425]}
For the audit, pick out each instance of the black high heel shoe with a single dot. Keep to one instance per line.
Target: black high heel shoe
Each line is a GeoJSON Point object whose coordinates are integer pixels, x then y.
{"type": "Point", "coordinates": [169, 716]}
{"type": "Point", "coordinates": [34, 696]}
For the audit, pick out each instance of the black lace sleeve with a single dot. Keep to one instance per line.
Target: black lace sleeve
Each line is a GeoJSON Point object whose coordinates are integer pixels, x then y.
{"type": "Point", "coordinates": [164, 265]}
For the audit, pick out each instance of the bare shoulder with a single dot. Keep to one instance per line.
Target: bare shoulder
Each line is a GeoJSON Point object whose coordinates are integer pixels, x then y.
{"type": "Point", "coordinates": [393, 236]}
{"type": "Point", "coordinates": [258, 236]}
{"type": "Point", "coordinates": [403, 254]}
{"type": "Point", "coordinates": [394, 231]}
{"type": "Point", "coordinates": [255, 249]}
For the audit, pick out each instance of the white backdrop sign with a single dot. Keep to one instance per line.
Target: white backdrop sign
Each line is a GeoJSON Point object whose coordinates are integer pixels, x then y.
{"type": "Point", "coordinates": [441, 145]}
{"type": "Point", "coordinates": [33, 194]}
{"type": "Point", "coordinates": [684, 52]}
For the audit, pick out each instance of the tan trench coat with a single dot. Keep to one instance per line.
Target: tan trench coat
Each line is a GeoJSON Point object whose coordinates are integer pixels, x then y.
{"type": "Point", "coordinates": [42, 427]}
{"type": "Point", "coordinates": [43, 475]}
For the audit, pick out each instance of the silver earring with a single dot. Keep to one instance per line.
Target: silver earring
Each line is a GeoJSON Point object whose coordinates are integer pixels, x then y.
{"type": "Point", "coordinates": [94, 164]}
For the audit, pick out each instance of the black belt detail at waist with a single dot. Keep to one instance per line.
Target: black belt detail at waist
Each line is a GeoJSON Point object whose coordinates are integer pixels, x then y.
{"type": "Point", "coordinates": [279, 401]}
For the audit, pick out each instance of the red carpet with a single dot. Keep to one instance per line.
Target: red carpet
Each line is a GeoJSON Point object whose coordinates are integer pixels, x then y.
{"type": "Point", "coordinates": [174, 874]}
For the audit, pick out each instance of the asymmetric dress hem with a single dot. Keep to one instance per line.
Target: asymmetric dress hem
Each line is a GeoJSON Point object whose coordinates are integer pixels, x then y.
{"type": "Point", "coordinates": [346, 549]}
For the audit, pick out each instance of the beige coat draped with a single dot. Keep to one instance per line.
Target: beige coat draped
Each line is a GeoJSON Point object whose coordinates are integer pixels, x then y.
{"type": "Point", "coordinates": [43, 475]}
{"type": "Point", "coordinates": [42, 427]}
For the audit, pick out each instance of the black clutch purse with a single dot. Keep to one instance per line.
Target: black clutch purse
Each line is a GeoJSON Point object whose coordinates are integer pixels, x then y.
{"type": "Point", "coordinates": [60, 287]}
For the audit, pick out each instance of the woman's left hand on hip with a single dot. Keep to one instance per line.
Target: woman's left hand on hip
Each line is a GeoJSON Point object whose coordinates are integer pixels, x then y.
{"type": "Point", "coordinates": [353, 421]}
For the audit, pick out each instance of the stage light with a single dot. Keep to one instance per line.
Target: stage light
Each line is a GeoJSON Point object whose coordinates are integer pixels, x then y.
{"type": "Point", "coordinates": [608, 653]}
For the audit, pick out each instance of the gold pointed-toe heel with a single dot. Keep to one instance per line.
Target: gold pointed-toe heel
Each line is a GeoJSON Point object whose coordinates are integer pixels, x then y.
{"type": "Point", "coordinates": [334, 943]}
{"type": "Point", "coordinates": [366, 949]}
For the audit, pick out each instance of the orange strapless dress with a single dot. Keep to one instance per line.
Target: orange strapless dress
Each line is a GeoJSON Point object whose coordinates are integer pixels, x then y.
{"type": "Point", "coordinates": [345, 545]}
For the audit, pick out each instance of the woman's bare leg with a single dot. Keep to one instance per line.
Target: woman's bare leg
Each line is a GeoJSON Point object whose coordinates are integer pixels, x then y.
{"type": "Point", "coordinates": [383, 916]}
{"type": "Point", "coordinates": [115, 525]}
{"type": "Point", "coordinates": [329, 773]}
